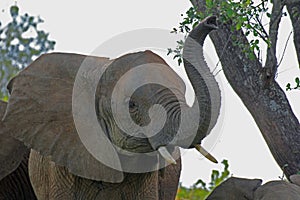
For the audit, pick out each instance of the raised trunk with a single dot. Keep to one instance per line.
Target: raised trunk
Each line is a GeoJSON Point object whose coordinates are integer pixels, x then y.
{"type": "Point", "coordinates": [207, 92]}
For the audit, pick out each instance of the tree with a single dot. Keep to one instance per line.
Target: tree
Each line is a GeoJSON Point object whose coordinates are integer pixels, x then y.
{"type": "Point", "coordinates": [255, 82]}
{"type": "Point", "coordinates": [17, 50]}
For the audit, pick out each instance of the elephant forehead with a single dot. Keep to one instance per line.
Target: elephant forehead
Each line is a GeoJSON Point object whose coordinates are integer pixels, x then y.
{"type": "Point", "coordinates": [153, 73]}
{"type": "Point", "coordinates": [130, 72]}
{"type": "Point", "coordinates": [152, 82]}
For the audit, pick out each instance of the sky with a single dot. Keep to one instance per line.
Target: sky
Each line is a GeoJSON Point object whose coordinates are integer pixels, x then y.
{"type": "Point", "coordinates": [83, 26]}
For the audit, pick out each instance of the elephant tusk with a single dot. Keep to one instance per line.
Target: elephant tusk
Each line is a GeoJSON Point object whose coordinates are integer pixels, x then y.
{"type": "Point", "coordinates": [205, 153]}
{"type": "Point", "coordinates": [166, 155]}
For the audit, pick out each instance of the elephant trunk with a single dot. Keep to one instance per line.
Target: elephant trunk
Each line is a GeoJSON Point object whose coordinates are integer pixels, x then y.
{"type": "Point", "coordinates": [202, 116]}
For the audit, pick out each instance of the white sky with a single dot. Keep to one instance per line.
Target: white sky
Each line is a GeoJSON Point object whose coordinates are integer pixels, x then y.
{"type": "Point", "coordinates": [81, 26]}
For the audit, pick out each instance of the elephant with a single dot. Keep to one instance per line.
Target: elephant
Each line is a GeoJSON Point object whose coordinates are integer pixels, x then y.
{"type": "Point", "coordinates": [235, 188]}
{"type": "Point", "coordinates": [14, 177]}
{"type": "Point", "coordinates": [295, 178]}
{"type": "Point", "coordinates": [63, 107]}
{"type": "Point", "coordinates": [277, 190]}
{"type": "Point", "coordinates": [251, 189]}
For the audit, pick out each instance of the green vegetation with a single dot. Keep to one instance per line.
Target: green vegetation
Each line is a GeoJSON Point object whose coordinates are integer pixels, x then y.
{"type": "Point", "coordinates": [21, 41]}
{"type": "Point", "coordinates": [200, 190]}
{"type": "Point", "coordinates": [245, 15]}
{"type": "Point", "coordinates": [293, 86]}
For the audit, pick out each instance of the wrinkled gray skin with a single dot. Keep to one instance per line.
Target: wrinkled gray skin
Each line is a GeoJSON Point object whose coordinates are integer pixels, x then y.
{"type": "Point", "coordinates": [51, 181]}
{"type": "Point", "coordinates": [9, 146]}
{"type": "Point", "coordinates": [16, 185]}
{"type": "Point", "coordinates": [14, 177]}
{"type": "Point", "coordinates": [277, 190]}
{"type": "Point", "coordinates": [235, 189]}
{"type": "Point", "coordinates": [60, 167]}
{"type": "Point", "coordinates": [251, 189]}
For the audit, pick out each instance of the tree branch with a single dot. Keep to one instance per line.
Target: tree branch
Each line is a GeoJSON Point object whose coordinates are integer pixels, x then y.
{"type": "Point", "coordinates": [260, 93]}
{"type": "Point", "coordinates": [285, 46]}
{"type": "Point", "coordinates": [271, 61]}
{"type": "Point", "coordinates": [293, 7]}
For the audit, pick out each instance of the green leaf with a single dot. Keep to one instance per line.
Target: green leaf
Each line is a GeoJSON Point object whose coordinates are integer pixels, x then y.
{"type": "Point", "coordinates": [238, 26]}
{"type": "Point", "coordinates": [209, 3]}
{"type": "Point", "coordinates": [5, 98]}
{"type": "Point", "coordinates": [174, 30]}
{"type": "Point", "coordinates": [230, 13]}
{"type": "Point", "coordinates": [179, 61]}
{"type": "Point", "coordinates": [288, 87]}
{"type": "Point", "coordinates": [31, 20]}
{"type": "Point", "coordinates": [14, 11]}
{"type": "Point", "coordinates": [201, 183]}
{"type": "Point", "coordinates": [248, 2]}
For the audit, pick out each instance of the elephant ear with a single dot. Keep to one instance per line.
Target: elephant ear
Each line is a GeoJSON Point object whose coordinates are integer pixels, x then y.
{"type": "Point", "coordinates": [39, 113]}
{"type": "Point", "coordinates": [12, 151]}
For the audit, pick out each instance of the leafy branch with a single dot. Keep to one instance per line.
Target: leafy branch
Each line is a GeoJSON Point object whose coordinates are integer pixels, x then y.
{"type": "Point", "coordinates": [21, 41]}
{"type": "Point", "coordinates": [243, 15]}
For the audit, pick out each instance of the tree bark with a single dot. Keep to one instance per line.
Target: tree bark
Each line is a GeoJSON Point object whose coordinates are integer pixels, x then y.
{"type": "Point", "coordinates": [293, 8]}
{"type": "Point", "coordinates": [261, 94]}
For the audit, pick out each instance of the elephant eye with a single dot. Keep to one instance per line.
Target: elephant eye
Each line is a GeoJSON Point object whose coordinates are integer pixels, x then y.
{"type": "Point", "coordinates": [133, 106]}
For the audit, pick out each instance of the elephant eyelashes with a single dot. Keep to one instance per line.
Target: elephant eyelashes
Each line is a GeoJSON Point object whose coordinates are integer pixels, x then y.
{"type": "Point", "coordinates": [133, 107]}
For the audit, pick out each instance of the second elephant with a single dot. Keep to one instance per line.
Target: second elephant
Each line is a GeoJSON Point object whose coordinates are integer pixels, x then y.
{"type": "Point", "coordinates": [251, 189]}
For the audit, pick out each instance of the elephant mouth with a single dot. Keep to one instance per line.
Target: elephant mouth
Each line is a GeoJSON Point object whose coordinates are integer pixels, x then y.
{"type": "Point", "coordinates": [135, 145]}
{"type": "Point", "coordinates": [143, 145]}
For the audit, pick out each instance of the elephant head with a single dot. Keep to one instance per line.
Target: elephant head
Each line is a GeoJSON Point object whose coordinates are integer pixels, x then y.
{"type": "Point", "coordinates": [274, 190]}
{"type": "Point", "coordinates": [47, 96]}
{"type": "Point", "coordinates": [235, 189]}
{"type": "Point", "coordinates": [251, 189]}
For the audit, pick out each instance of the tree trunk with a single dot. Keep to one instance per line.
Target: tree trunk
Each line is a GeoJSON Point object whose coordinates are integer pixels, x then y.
{"type": "Point", "coordinates": [293, 8]}
{"type": "Point", "coordinates": [261, 94]}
